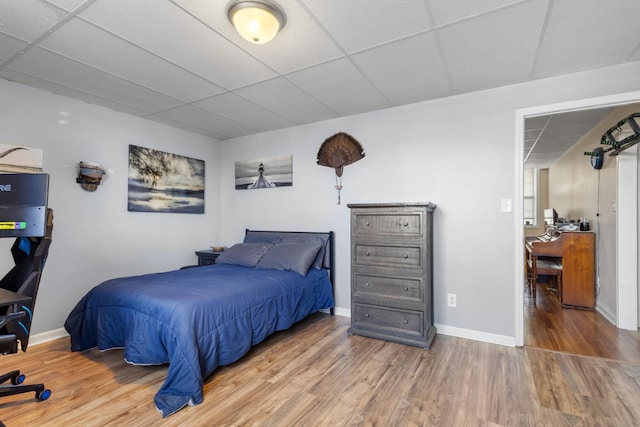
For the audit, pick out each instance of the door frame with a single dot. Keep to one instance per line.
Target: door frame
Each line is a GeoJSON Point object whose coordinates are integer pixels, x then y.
{"type": "Point", "coordinates": [626, 277]}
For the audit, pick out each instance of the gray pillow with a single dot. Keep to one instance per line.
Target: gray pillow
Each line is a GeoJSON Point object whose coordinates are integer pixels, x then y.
{"type": "Point", "coordinates": [292, 237]}
{"type": "Point", "coordinates": [245, 254]}
{"type": "Point", "coordinates": [261, 238]}
{"type": "Point", "coordinates": [291, 256]}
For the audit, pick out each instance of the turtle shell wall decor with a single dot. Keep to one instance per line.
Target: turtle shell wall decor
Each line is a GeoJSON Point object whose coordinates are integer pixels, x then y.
{"type": "Point", "coordinates": [90, 175]}
{"type": "Point", "coordinates": [338, 151]}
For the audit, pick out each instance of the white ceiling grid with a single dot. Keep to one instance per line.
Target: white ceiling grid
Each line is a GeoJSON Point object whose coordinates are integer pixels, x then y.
{"type": "Point", "coordinates": [181, 62]}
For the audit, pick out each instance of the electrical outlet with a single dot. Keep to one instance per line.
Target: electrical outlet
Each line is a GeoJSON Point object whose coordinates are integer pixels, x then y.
{"type": "Point", "coordinates": [451, 300]}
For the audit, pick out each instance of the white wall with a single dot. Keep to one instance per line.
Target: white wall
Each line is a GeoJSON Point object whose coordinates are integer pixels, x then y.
{"type": "Point", "coordinates": [457, 152]}
{"type": "Point", "coordinates": [94, 236]}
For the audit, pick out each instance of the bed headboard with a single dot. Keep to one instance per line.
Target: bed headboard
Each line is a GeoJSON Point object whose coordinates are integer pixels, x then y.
{"type": "Point", "coordinates": [326, 237]}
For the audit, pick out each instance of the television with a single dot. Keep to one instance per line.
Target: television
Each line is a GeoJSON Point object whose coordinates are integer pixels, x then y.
{"type": "Point", "coordinates": [23, 204]}
{"type": "Point", "coordinates": [550, 216]}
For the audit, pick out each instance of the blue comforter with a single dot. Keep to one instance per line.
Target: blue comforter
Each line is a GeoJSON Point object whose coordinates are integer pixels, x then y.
{"type": "Point", "coordinates": [194, 319]}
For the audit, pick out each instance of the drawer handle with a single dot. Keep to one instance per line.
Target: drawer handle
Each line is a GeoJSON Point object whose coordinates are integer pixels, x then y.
{"type": "Point", "coordinates": [367, 223]}
{"type": "Point", "coordinates": [406, 224]}
{"type": "Point", "coordinates": [367, 284]}
{"type": "Point", "coordinates": [367, 254]}
{"type": "Point", "coordinates": [405, 321]}
{"type": "Point", "coordinates": [406, 256]}
{"type": "Point", "coordinates": [366, 315]}
{"type": "Point", "coordinates": [406, 289]}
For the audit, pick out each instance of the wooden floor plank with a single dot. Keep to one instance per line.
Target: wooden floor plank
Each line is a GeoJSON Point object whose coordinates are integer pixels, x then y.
{"type": "Point", "coordinates": [548, 325]}
{"type": "Point", "coordinates": [316, 374]}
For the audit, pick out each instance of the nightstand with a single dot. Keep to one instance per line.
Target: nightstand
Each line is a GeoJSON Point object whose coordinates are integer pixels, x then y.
{"type": "Point", "coordinates": [207, 257]}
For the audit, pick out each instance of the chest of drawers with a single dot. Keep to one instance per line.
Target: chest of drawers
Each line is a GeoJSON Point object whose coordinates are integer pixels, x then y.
{"type": "Point", "coordinates": [392, 272]}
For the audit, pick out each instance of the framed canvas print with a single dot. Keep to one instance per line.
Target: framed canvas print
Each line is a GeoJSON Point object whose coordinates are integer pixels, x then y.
{"type": "Point", "coordinates": [164, 182]}
{"type": "Point", "coordinates": [264, 173]}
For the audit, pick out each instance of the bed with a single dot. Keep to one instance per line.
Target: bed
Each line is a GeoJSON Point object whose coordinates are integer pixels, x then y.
{"type": "Point", "coordinates": [196, 319]}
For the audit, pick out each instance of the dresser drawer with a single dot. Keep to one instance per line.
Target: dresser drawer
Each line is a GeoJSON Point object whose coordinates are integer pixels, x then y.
{"type": "Point", "coordinates": [388, 320]}
{"type": "Point", "coordinates": [387, 256]}
{"type": "Point", "coordinates": [408, 224]}
{"type": "Point", "coordinates": [394, 290]}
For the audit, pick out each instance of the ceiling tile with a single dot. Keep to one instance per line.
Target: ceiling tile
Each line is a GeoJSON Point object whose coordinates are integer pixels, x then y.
{"type": "Point", "coordinates": [236, 108]}
{"type": "Point", "coordinates": [282, 97]}
{"type": "Point", "coordinates": [572, 131]}
{"type": "Point", "coordinates": [187, 127]}
{"type": "Point", "coordinates": [48, 66]}
{"type": "Point", "coordinates": [299, 32]}
{"type": "Point", "coordinates": [178, 37]}
{"type": "Point", "coordinates": [531, 135]}
{"type": "Point", "coordinates": [18, 77]}
{"type": "Point", "coordinates": [580, 35]}
{"type": "Point", "coordinates": [202, 119]}
{"type": "Point", "coordinates": [70, 5]}
{"type": "Point", "coordinates": [406, 71]}
{"type": "Point", "coordinates": [78, 40]}
{"type": "Point", "coordinates": [28, 20]}
{"type": "Point", "coordinates": [9, 46]}
{"type": "Point", "coordinates": [538, 122]}
{"type": "Point", "coordinates": [475, 49]}
{"type": "Point", "coordinates": [360, 24]}
{"type": "Point", "coordinates": [587, 118]}
{"type": "Point", "coordinates": [340, 86]}
{"type": "Point", "coordinates": [447, 11]}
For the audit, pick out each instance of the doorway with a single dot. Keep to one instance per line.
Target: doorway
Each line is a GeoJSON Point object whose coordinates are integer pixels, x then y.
{"type": "Point", "coordinates": [626, 315]}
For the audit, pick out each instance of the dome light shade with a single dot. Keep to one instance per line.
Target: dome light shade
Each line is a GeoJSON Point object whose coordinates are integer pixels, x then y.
{"type": "Point", "coordinates": [256, 21]}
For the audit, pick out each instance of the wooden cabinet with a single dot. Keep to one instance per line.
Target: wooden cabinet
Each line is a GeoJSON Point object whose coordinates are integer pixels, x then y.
{"type": "Point", "coordinates": [578, 269]}
{"type": "Point", "coordinates": [574, 253]}
{"type": "Point", "coordinates": [392, 272]}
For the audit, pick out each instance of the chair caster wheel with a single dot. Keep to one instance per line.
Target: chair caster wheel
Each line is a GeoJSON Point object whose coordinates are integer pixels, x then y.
{"type": "Point", "coordinates": [43, 395]}
{"type": "Point", "coordinates": [19, 379]}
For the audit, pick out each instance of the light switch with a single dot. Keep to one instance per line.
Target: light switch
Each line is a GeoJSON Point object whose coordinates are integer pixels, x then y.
{"type": "Point", "coordinates": [505, 205]}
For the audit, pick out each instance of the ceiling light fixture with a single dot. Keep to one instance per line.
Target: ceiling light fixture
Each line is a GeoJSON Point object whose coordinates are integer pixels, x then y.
{"type": "Point", "coordinates": [256, 21]}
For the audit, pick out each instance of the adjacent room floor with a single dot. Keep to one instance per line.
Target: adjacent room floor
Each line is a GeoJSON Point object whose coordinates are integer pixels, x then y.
{"type": "Point", "coordinates": [550, 326]}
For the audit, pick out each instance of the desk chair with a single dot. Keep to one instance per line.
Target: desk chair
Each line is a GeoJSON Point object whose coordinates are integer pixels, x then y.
{"type": "Point", "coordinates": [18, 291]}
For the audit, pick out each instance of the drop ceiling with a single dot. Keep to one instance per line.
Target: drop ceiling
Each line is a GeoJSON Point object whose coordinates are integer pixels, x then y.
{"type": "Point", "coordinates": [180, 62]}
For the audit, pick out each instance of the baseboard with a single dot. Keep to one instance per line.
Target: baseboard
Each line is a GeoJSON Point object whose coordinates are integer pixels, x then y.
{"type": "Point", "coordinates": [344, 312]}
{"type": "Point", "coordinates": [44, 337]}
{"type": "Point", "coordinates": [611, 317]}
{"type": "Point", "coordinates": [456, 332]}
{"type": "Point", "coordinates": [339, 311]}
{"type": "Point", "coordinates": [476, 335]}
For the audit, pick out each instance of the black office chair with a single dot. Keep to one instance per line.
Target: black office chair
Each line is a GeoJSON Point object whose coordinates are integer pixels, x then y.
{"type": "Point", "coordinates": [29, 255]}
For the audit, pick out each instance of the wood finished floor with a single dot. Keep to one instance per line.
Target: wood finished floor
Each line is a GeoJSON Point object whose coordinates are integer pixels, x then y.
{"type": "Point", "coordinates": [586, 332]}
{"type": "Point", "coordinates": [316, 374]}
